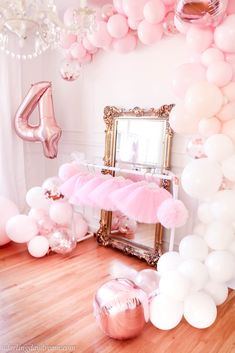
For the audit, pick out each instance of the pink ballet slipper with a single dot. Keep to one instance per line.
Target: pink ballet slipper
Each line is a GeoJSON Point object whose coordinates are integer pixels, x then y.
{"type": "Point", "coordinates": [172, 214]}
{"type": "Point", "coordinates": [100, 196]}
{"type": "Point", "coordinates": [142, 204]}
{"type": "Point", "coordinates": [85, 191]}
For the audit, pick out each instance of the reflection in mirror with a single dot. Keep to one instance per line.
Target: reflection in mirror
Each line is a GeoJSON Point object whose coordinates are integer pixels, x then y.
{"type": "Point", "coordinates": [138, 140]}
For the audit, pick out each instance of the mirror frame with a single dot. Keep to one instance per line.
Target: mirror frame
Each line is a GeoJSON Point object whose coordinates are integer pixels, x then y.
{"type": "Point", "coordinates": [103, 235]}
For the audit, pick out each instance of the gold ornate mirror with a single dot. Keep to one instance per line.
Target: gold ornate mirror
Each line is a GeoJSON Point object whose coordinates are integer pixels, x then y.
{"type": "Point", "coordinates": [140, 140]}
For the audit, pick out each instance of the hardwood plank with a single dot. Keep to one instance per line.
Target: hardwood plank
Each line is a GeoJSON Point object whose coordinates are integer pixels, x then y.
{"type": "Point", "coordinates": [48, 301]}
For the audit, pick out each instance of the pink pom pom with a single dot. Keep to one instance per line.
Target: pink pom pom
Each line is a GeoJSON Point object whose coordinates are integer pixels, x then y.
{"type": "Point", "coordinates": [172, 213]}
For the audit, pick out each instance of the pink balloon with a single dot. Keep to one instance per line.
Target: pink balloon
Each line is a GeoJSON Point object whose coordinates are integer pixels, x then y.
{"type": "Point", "coordinates": [168, 2]}
{"type": "Point", "coordinates": [45, 226]}
{"type": "Point", "coordinates": [134, 9]}
{"type": "Point", "coordinates": [220, 73]}
{"type": "Point", "coordinates": [229, 129]}
{"type": "Point", "coordinates": [21, 228]}
{"type": "Point", "coordinates": [199, 39]}
{"type": "Point", "coordinates": [70, 70]}
{"type": "Point", "coordinates": [182, 27]}
{"type": "Point", "coordinates": [118, 6]}
{"type": "Point", "coordinates": [117, 26]}
{"type": "Point", "coordinates": [106, 11]}
{"type": "Point", "coordinates": [8, 210]}
{"type": "Point", "coordinates": [227, 112]}
{"type": "Point", "coordinates": [230, 58]}
{"type": "Point", "coordinates": [185, 75]}
{"type": "Point", "coordinates": [101, 37]}
{"type": "Point", "coordinates": [201, 12]}
{"type": "Point", "coordinates": [88, 46]}
{"type": "Point", "coordinates": [224, 35]}
{"type": "Point", "coordinates": [208, 127]}
{"type": "Point", "coordinates": [66, 54]}
{"type": "Point", "coordinates": [133, 23]}
{"type": "Point", "coordinates": [126, 44]}
{"type": "Point", "coordinates": [66, 40]}
{"type": "Point", "coordinates": [149, 33]}
{"type": "Point", "coordinates": [47, 131]}
{"type": "Point", "coordinates": [229, 91]}
{"type": "Point", "coordinates": [38, 246]}
{"type": "Point", "coordinates": [77, 51]}
{"type": "Point", "coordinates": [61, 213]}
{"type": "Point", "coordinates": [37, 214]}
{"type": "Point", "coordinates": [182, 122]}
{"type": "Point", "coordinates": [211, 55]}
{"type": "Point", "coordinates": [168, 24]}
{"type": "Point", "coordinates": [154, 11]}
{"type": "Point", "coordinates": [86, 59]}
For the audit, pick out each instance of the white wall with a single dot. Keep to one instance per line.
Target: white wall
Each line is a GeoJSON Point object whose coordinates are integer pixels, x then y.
{"type": "Point", "coordinates": [141, 78]}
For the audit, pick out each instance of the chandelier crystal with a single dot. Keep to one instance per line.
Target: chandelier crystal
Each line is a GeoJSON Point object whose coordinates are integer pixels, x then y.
{"type": "Point", "coordinates": [29, 27]}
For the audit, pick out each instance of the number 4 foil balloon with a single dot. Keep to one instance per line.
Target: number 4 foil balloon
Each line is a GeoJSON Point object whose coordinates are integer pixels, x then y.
{"type": "Point", "coordinates": [47, 131]}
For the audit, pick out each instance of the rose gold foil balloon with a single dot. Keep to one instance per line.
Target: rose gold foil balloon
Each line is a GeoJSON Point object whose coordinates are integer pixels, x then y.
{"type": "Point", "coordinates": [47, 131]}
{"type": "Point", "coordinates": [121, 308]}
{"type": "Point", "coordinates": [62, 241]}
{"type": "Point", "coordinates": [202, 12]}
{"type": "Point", "coordinates": [195, 147]}
{"type": "Point", "coordinates": [70, 70]}
{"type": "Point", "coordinates": [168, 24]}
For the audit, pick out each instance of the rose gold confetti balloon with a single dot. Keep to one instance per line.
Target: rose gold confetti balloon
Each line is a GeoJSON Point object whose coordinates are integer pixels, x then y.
{"type": "Point", "coordinates": [70, 70]}
{"type": "Point", "coordinates": [121, 308]}
{"type": "Point", "coordinates": [195, 147]}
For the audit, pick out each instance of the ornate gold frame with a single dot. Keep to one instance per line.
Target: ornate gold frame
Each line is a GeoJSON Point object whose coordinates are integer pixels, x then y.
{"type": "Point", "coordinates": [111, 115]}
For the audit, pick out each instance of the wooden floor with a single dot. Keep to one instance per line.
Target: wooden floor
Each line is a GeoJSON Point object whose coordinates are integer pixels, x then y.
{"type": "Point", "coordinates": [46, 305]}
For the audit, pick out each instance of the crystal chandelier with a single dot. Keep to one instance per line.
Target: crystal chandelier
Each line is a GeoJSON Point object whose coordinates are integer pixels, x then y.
{"type": "Point", "coordinates": [29, 27]}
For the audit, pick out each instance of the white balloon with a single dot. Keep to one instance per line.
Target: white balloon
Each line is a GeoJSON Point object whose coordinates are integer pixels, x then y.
{"type": "Point", "coordinates": [201, 178]}
{"type": "Point", "coordinates": [199, 229]}
{"type": "Point", "coordinates": [38, 246]}
{"type": "Point", "coordinates": [36, 198]}
{"type": "Point", "coordinates": [193, 247]}
{"type": "Point", "coordinates": [218, 291]}
{"type": "Point", "coordinates": [80, 228]}
{"type": "Point", "coordinates": [221, 265]}
{"type": "Point", "coordinates": [148, 280]}
{"type": "Point", "coordinates": [196, 272]}
{"type": "Point", "coordinates": [200, 310]}
{"type": "Point", "coordinates": [219, 235]}
{"type": "Point", "coordinates": [228, 168]}
{"type": "Point", "coordinates": [165, 313]}
{"type": "Point", "coordinates": [204, 213]}
{"type": "Point", "coordinates": [223, 206]}
{"type": "Point", "coordinates": [168, 262]}
{"type": "Point", "coordinates": [174, 285]}
{"type": "Point", "coordinates": [218, 147]}
{"type": "Point", "coordinates": [21, 228]}
{"type": "Point", "coordinates": [61, 212]}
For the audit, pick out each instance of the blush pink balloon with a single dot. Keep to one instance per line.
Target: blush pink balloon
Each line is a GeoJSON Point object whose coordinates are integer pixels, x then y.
{"type": "Point", "coordinates": [210, 126]}
{"type": "Point", "coordinates": [211, 55]}
{"type": "Point", "coordinates": [229, 91]}
{"type": "Point", "coordinates": [199, 39]}
{"type": "Point", "coordinates": [118, 6]}
{"type": "Point", "coordinates": [182, 27]}
{"type": "Point", "coordinates": [117, 26]}
{"type": "Point", "coordinates": [8, 210]}
{"type": "Point", "coordinates": [224, 35]}
{"type": "Point", "coordinates": [227, 112]}
{"type": "Point", "coordinates": [168, 2]}
{"type": "Point", "coordinates": [61, 213]}
{"type": "Point", "coordinates": [106, 11]}
{"type": "Point", "coordinates": [38, 246]}
{"type": "Point", "coordinates": [47, 131]}
{"type": "Point", "coordinates": [231, 7]}
{"type": "Point", "coordinates": [88, 46]}
{"type": "Point", "coordinates": [101, 37]}
{"type": "Point", "coordinates": [67, 170]}
{"type": "Point", "coordinates": [134, 9]}
{"type": "Point", "coordinates": [154, 11]}
{"type": "Point", "coordinates": [126, 44]}
{"type": "Point", "coordinates": [185, 75]}
{"type": "Point", "coordinates": [77, 51]}
{"type": "Point", "coordinates": [149, 33]}
{"type": "Point", "coordinates": [229, 129]}
{"type": "Point", "coordinates": [21, 228]}
{"type": "Point", "coordinates": [86, 59]}
{"type": "Point", "coordinates": [66, 40]}
{"type": "Point", "coordinates": [133, 23]}
{"type": "Point", "coordinates": [37, 214]}
{"type": "Point", "coordinates": [70, 16]}
{"type": "Point", "coordinates": [220, 73]}
{"type": "Point", "coordinates": [181, 121]}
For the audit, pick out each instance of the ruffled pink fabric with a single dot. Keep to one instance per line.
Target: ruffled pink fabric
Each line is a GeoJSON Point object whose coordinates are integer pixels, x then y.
{"type": "Point", "coordinates": [90, 186]}
{"type": "Point", "coordinates": [67, 188]}
{"type": "Point", "coordinates": [80, 182]}
{"type": "Point", "coordinates": [101, 195]}
{"type": "Point", "coordinates": [118, 195]}
{"type": "Point", "coordinates": [142, 203]}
